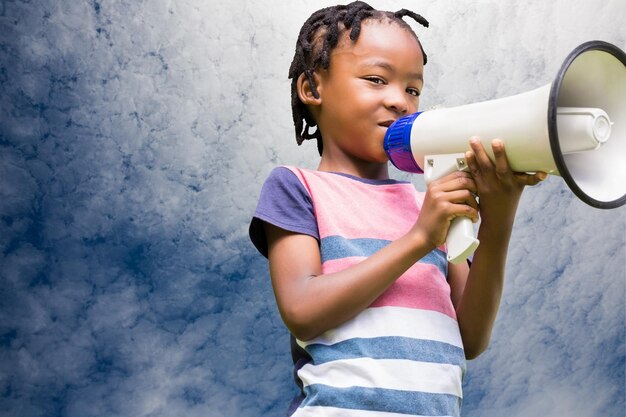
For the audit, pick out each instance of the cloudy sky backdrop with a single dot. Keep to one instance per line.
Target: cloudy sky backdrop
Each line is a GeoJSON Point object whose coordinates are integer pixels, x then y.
{"type": "Point", "coordinates": [134, 138]}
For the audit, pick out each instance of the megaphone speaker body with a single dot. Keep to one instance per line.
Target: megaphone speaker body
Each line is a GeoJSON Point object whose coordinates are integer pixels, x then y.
{"type": "Point", "coordinates": [574, 127]}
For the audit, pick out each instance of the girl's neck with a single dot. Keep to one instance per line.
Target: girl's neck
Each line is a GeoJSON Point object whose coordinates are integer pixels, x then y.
{"type": "Point", "coordinates": [367, 170]}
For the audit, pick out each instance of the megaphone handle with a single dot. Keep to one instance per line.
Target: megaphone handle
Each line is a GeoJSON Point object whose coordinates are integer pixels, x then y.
{"type": "Point", "coordinates": [460, 241]}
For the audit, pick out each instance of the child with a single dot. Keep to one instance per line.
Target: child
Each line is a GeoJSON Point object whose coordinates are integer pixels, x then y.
{"type": "Point", "coordinates": [381, 324]}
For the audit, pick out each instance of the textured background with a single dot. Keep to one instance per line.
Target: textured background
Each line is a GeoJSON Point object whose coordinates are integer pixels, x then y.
{"type": "Point", "coordinates": [134, 139]}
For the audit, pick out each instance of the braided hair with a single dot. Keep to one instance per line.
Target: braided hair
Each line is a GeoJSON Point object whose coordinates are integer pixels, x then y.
{"type": "Point", "coordinates": [319, 35]}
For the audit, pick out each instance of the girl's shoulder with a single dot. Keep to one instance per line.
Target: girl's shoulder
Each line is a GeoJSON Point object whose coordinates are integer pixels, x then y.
{"type": "Point", "coordinates": [284, 202]}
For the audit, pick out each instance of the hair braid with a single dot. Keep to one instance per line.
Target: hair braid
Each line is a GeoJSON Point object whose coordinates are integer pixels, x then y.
{"type": "Point", "coordinates": [313, 52]}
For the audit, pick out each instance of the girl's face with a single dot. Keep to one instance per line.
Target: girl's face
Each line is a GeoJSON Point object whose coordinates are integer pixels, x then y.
{"type": "Point", "coordinates": [369, 84]}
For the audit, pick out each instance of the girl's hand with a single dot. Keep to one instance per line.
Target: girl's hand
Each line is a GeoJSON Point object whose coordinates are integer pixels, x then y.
{"type": "Point", "coordinates": [499, 189]}
{"type": "Point", "coordinates": [446, 198]}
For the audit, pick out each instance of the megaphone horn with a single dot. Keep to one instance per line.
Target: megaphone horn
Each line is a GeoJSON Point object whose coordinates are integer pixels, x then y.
{"type": "Point", "coordinates": [574, 127]}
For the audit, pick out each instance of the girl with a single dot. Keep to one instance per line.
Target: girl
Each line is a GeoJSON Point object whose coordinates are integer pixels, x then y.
{"type": "Point", "coordinates": [381, 324]}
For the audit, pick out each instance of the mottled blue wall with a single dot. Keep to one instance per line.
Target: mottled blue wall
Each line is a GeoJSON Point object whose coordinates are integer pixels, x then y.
{"type": "Point", "coordinates": [134, 138]}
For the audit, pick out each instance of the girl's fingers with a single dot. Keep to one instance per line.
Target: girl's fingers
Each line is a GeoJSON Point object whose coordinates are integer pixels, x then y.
{"type": "Point", "coordinates": [457, 203]}
{"type": "Point", "coordinates": [501, 161]}
{"type": "Point", "coordinates": [503, 169]}
{"type": "Point", "coordinates": [458, 180]}
{"type": "Point", "coordinates": [470, 159]}
{"type": "Point", "coordinates": [530, 179]}
{"type": "Point", "coordinates": [480, 156]}
{"type": "Point", "coordinates": [463, 197]}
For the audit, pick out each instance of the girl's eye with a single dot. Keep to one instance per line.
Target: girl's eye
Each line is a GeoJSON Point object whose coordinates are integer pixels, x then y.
{"type": "Point", "coordinates": [376, 80]}
{"type": "Point", "coordinates": [413, 91]}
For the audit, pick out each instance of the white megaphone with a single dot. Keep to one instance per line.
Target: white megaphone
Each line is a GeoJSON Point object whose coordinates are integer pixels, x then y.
{"type": "Point", "coordinates": [574, 127]}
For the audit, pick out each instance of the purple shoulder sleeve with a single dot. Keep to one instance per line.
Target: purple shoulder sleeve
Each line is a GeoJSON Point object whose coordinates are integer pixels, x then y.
{"type": "Point", "coordinates": [285, 203]}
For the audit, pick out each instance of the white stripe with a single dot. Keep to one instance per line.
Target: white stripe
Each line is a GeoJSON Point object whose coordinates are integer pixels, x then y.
{"type": "Point", "coordinates": [394, 321]}
{"type": "Point", "coordinates": [398, 374]}
{"type": "Point", "coordinates": [342, 412]}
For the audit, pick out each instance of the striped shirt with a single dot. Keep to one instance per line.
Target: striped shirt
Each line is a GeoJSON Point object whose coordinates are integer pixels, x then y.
{"type": "Point", "coordinates": [403, 355]}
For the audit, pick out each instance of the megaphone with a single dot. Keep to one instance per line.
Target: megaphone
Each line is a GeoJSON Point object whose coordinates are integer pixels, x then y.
{"type": "Point", "coordinates": [574, 127]}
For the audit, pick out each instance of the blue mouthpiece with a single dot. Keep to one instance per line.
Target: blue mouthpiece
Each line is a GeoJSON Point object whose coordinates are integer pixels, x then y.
{"type": "Point", "coordinates": [398, 144]}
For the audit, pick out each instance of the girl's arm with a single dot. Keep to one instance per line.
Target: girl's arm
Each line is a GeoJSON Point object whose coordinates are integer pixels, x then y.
{"type": "Point", "coordinates": [311, 303]}
{"type": "Point", "coordinates": [477, 294]}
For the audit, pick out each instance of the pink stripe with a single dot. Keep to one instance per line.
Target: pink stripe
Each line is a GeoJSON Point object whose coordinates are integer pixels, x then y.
{"type": "Point", "coordinates": [391, 217]}
{"type": "Point", "coordinates": [421, 287]}
{"type": "Point", "coordinates": [417, 290]}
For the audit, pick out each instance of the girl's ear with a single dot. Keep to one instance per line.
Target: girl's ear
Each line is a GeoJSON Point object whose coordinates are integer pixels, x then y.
{"type": "Point", "coordinates": [305, 90]}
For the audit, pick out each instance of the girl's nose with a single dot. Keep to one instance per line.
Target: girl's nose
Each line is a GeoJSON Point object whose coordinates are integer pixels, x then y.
{"type": "Point", "coordinates": [397, 101]}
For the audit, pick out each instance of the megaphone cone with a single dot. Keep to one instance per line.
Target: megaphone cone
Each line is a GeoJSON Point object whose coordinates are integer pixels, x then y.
{"type": "Point", "coordinates": [597, 176]}
{"type": "Point", "coordinates": [574, 127]}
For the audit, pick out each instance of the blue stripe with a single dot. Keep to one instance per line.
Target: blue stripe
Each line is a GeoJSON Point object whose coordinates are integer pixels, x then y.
{"type": "Point", "coordinates": [338, 247]}
{"type": "Point", "coordinates": [412, 403]}
{"type": "Point", "coordinates": [438, 258]}
{"type": "Point", "coordinates": [389, 347]}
